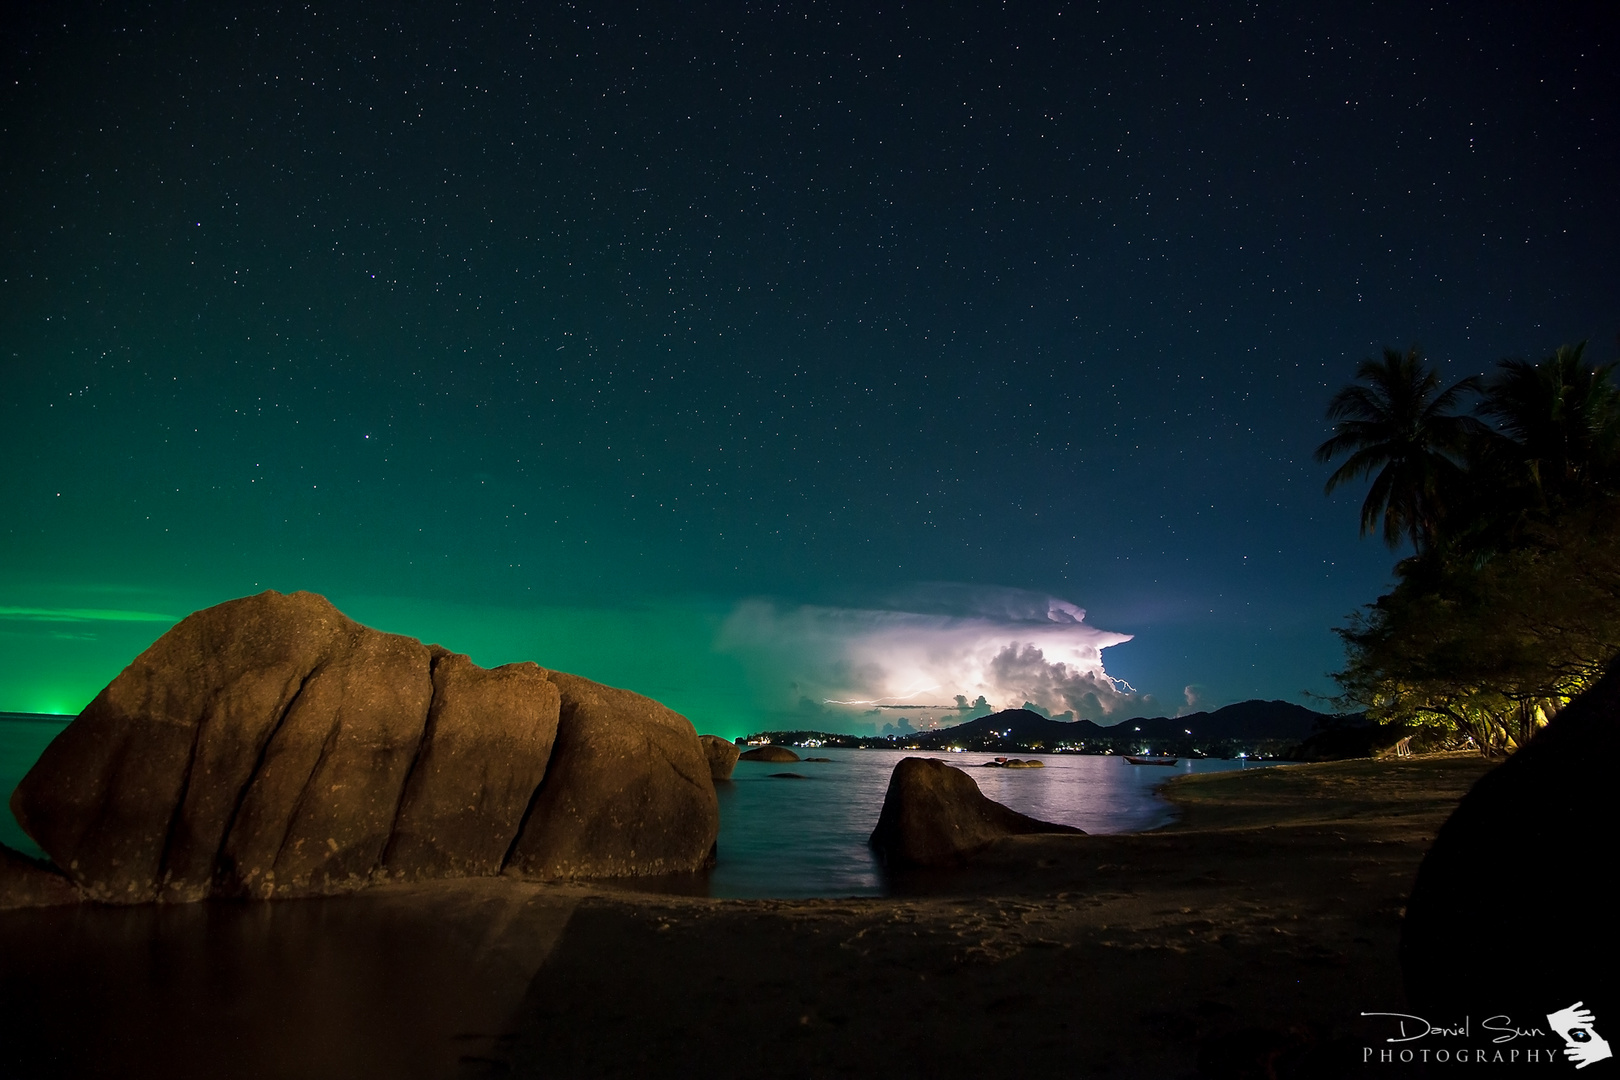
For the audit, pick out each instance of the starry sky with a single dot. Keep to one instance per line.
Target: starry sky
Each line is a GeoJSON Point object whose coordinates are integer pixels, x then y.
{"type": "Point", "coordinates": [754, 356]}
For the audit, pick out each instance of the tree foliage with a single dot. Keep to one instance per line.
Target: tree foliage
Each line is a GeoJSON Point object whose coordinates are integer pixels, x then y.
{"type": "Point", "coordinates": [1510, 604]}
{"type": "Point", "coordinates": [1399, 427]}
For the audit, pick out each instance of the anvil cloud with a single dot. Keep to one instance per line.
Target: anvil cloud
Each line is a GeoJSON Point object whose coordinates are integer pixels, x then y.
{"type": "Point", "coordinates": [1010, 647]}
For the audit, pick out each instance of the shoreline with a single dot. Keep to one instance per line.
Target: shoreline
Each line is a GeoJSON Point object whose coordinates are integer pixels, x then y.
{"type": "Point", "coordinates": [1260, 923]}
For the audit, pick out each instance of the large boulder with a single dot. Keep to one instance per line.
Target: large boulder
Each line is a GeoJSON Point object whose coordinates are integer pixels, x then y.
{"type": "Point", "coordinates": [628, 792]}
{"type": "Point", "coordinates": [935, 815]}
{"type": "Point", "coordinates": [142, 788]}
{"type": "Point", "coordinates": [25, 883]}
{"type": "Point", "coordinates": [773, 754]}
{"type": "Point", "coordinates": [270, 746]}
{"type": "Point", "coordinates": [1509, 912]}
{"type": "Point", "coordinates": [722, 755]}
{"type": "Point", "coordinates": [488, 739]}
{"type": "Point", "coordinates": [318, 813]}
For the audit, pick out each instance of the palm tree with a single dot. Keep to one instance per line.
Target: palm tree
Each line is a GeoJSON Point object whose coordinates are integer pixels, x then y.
{"type": "Point", "coordinates": [1561, 420]}
{"type": "Point", "coordinates": [1399, 424]}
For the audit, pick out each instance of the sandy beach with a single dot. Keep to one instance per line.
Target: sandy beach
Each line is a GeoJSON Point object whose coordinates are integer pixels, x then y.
{"type": "Point", "coordinates": [1247, 937]}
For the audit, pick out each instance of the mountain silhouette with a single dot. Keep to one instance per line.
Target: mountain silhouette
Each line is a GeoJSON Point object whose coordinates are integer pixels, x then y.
{"type": "Point", "coordinates": [1245, 721]}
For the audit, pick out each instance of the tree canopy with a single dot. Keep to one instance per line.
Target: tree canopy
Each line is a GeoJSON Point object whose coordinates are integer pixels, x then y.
{"type": "Point", "coordinates": [1510, 602]}
{"type": "Point", "coordinates": [1396, 421]}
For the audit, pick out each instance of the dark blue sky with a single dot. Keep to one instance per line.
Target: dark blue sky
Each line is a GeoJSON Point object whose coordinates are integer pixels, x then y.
{"type": "Point", "coordinates": [470, 315]}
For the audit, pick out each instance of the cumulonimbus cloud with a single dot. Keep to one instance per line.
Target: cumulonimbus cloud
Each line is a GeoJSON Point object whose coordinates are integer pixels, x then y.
{"type": "Point", "coordinates": [1007, 645]}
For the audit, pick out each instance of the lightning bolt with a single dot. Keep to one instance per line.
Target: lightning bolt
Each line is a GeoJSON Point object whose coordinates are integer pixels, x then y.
{"type": "Point", "coordinates": [884, 701]}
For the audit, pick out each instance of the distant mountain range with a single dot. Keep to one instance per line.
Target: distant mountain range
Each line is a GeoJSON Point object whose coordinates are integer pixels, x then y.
{"type": "Point", "coordinates": [1247, 723]}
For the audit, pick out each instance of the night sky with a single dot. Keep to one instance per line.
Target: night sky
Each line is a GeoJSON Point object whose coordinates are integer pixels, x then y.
{"type": "Point", "coordinates": [760, 356]}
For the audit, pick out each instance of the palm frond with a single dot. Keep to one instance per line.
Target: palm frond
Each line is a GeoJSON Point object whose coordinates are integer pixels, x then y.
{"type": "Point", "coordinates": [1397, 422]}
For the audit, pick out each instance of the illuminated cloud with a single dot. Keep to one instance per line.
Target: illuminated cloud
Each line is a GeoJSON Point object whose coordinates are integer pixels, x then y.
{"type": "Point", "coordinates": [1194, 695]}
{"type": "Point", "coordinates": [1007, 646]}
{"type": "Point", "coordinates": [1024, 673]}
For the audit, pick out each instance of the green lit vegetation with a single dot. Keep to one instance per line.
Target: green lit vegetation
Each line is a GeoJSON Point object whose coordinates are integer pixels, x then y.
{"type": "Point", "coordinates": [1509, 604]}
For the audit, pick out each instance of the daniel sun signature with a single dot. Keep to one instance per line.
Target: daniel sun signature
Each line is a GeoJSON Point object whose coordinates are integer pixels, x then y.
{"type": "Point", "coordinates": [1413, 1028]}
{"type": "Point", "coordinates": [1575, 1024]}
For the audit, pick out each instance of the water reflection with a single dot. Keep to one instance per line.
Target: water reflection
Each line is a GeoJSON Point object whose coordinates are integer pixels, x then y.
{"type": "Point", "coordinates": [801, 838]}
{"type": "Point", "coordinates": [395, 984]}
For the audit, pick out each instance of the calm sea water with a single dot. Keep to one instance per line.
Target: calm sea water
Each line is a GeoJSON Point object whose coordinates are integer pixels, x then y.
{"type": "Point", "coordinates": [800, 838]}
{"type": "Point", "coordinates": [807, 837]}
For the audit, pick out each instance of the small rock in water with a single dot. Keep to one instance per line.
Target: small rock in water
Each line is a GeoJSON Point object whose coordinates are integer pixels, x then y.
{"type": "Point", "coordinates": [787, 776]}
{"type": "Point", "coordinates": [777, 754]}
{"type": "Point", "coordinates": [722, 756]}
{"type": "Point", "coordinates": [935, 815]}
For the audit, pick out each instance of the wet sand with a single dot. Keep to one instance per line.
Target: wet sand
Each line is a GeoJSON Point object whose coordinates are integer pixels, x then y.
{"type": "Point", "coordinates": [1253, 931]}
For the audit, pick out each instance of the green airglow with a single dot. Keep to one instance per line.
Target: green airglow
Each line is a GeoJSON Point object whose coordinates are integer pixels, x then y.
{"type": "Point", "coordinates": [83, 615]}
{"type": "Point", "coordinates": [663, 649]}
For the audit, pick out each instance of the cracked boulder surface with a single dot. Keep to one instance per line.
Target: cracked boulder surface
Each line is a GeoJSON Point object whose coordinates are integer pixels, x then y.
{"type": "Point", "coordinates": [627, 775]}
{"type": "Point", "coordinates": [270, 746]}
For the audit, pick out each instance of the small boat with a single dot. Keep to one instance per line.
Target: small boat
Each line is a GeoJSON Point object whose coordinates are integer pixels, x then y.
{"type": "Point", "coordinates": [1134, 760]}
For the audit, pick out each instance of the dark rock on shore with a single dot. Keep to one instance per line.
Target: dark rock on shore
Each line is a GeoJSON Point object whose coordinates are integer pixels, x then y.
{"type": "Point", "coordinates": [484, 753]}
{"type": "Point", "coordinates": [26, 883]}
{"type": "Point", "coordinates": [317, 814]}
{"type": "Point", "coordinates": [773, 754]}
{"type": "Point", "coordinates": [722, 754]}
{"type": "Point", "coordinates": [144, 785]}
{"type": "Point", "coordinates": [270, 746]}
{"type": "Point", "coordinates": [1509, 912]}
{"type": "Point", "coordinates": [628, 793]}
{"type": "Point", "coordinates": [935, 815]}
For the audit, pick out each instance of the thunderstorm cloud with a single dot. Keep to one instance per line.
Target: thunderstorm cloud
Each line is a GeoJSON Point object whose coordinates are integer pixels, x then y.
{"type": "Point", "coordinates": [948, 643]}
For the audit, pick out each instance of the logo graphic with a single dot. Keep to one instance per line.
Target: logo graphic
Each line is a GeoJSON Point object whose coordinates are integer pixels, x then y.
{"type": "Point", "coordinates": [1583, 1045]}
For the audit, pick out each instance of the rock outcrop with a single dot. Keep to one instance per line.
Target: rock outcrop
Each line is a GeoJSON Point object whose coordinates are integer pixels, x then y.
{"type": "Point", "coordinates": [484, 752]}
{"type": "Point", "coordinates": [772, 754]}
{"type": "Point", "coordinates": [270, 746]}
{"type": "Point", "coordinates": [628, 792]}
{"type": "Point", "coordinates": [722, 754]}
{"type": "Point", "coordinates": [316, 815]}
{"type": "Point", "coordinates": [935, 815]}
{"type": "Point", "coordinates": [1509, 912]}
{"type": "Point", "coordinates": [25, 883]}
